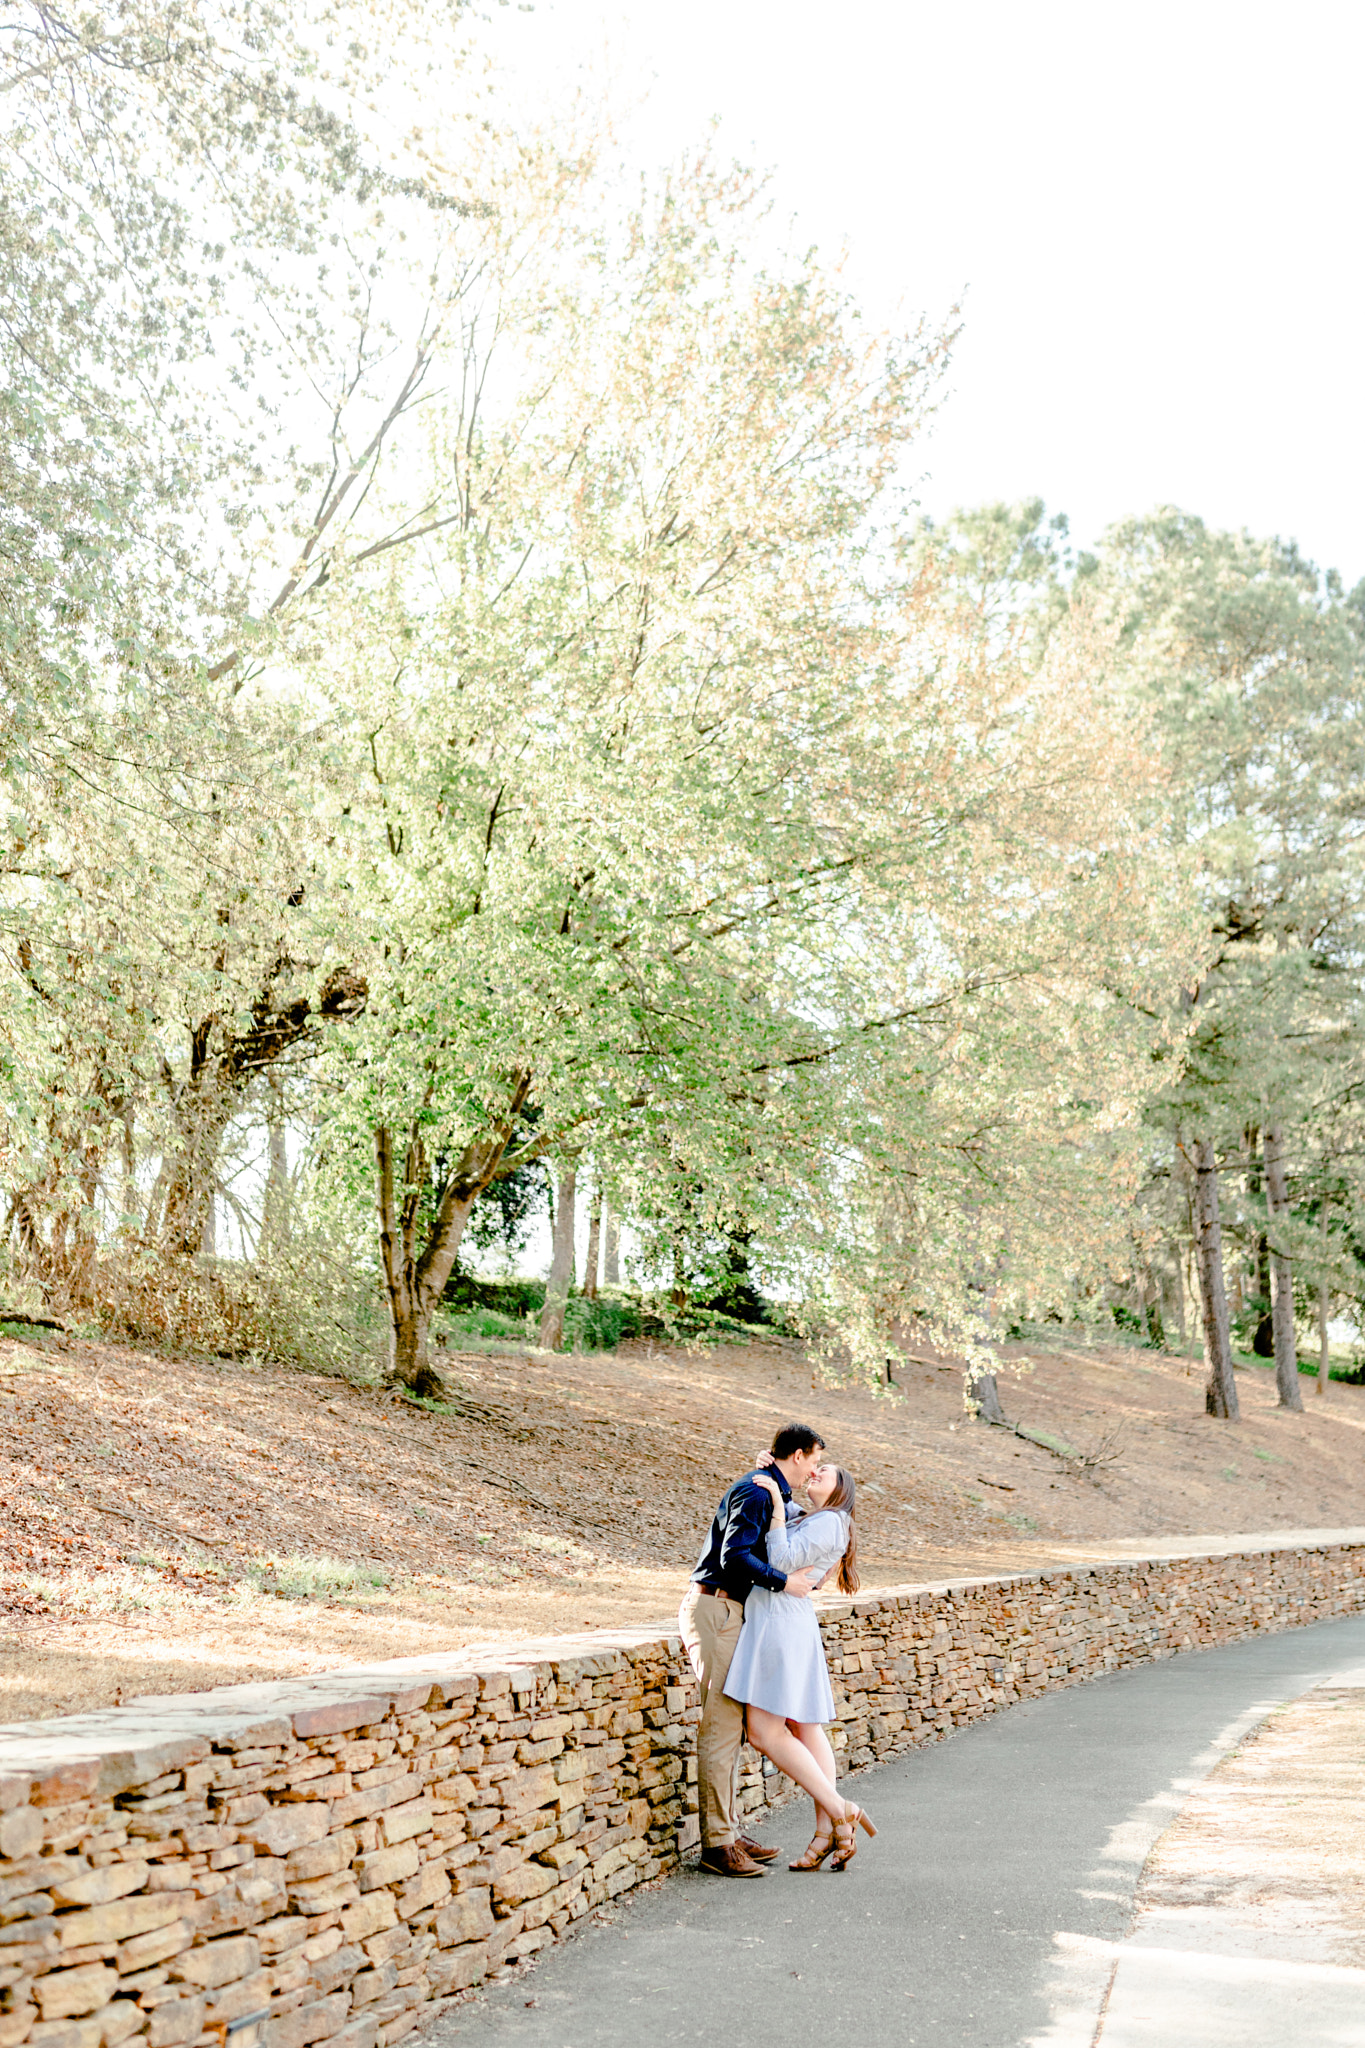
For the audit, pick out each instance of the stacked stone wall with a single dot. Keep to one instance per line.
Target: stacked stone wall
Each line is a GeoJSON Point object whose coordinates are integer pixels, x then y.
{"type": "Point", "coordinates": [335, 1853]}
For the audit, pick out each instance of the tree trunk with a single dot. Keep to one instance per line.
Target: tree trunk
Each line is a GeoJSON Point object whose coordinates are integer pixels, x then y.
{"type": "Point", "coordinates": [1179, 1296]}
{"type": "Point", "coordinates": [223, 1064]}
{"type": "Point", "coordinates": [594, 1243]}
{"type": "Point", "coordinates": [1192, 1292]}
{"type": "Point", "coordinates": [129, 1219]}
{"type": "Point", "coordinates": [413, 1281]}
{"type": "Point", "coordinates": [982, 1397]}
{"type": "Point", "coordinates": [561, 1263]}
{"type": "Point", "coordinates": [409, 1317]}
{"type": "Point", "coordinates": [275, 1207]}
{"type": "Point", "coordinates": [409, 1353]}
{"type": "Point", "coordinates": [1220, 1392]}
{"type": "Point", "coordinates": [611, 1249]}
{"type": "Point", "coordinates": [1281, 1270]}
{"type": "Point", "coordinates": [1324, 1308]}
{"type": "Point", "coordinates": [1147, 1292]}
{"type": "Point", "coordinates": [202, 1120]}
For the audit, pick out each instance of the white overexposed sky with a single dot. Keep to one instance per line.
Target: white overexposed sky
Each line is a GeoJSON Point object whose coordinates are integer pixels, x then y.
{"type": "Point", "coordinates": [1154, 213]}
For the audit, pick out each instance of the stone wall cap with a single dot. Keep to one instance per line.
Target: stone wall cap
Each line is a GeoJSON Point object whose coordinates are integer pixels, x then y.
{"type": "Point", "coordinates": [122, 1746]}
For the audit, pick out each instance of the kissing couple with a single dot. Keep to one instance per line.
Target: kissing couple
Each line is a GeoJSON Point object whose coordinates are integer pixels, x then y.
{"type": "Point", "coordinates": [753, 1639]}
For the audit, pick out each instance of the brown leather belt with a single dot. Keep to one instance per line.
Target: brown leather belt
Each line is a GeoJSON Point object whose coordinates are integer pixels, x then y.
{"type": "Point", "coordinates": [717, 1592]}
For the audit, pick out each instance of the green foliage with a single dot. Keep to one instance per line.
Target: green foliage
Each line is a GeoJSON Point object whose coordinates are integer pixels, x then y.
{"type": "Point", "coordinates": [474, 694]}
{"type": "Point", "coordinates": [520, 1298]}
{"type": "Point", "coordinates": [600, 1325]}
{"type": "Point", "coordinates": [485, 1322]}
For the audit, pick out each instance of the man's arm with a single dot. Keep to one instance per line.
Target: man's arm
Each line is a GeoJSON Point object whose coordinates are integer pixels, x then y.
{"type": "Point", "coordinates": [742, 1558]}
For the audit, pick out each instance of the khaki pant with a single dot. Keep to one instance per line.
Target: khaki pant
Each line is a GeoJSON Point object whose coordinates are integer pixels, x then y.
{"type": "Point", "coordinates": [709, 1625]}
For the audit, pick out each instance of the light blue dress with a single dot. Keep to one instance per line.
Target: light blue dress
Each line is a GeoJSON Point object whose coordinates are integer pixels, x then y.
{"type": "Point", "coordinates": [779, 1661]}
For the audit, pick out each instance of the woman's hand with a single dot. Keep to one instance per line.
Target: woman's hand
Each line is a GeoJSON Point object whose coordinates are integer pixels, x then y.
{"type": "Point", "coordinates": [770, 1487]}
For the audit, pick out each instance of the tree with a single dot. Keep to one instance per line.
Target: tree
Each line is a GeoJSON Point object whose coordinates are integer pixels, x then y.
{"type": "Point", "coordinates": [229, 254]}
{"type": "Point", "coordinates": [559, 1286]}
{"type": "Point", "coordinates": [1245, 660]}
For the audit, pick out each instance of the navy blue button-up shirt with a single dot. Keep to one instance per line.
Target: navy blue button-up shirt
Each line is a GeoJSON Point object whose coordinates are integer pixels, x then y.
{"type": "Point", "coordinates": [735, 1554]}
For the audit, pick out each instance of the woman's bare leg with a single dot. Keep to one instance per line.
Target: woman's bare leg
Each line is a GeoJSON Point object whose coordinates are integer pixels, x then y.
{"type": "Point", "coordinates": [813, 1736]}
{"type": "Point", "coordinates": [770, 1734]}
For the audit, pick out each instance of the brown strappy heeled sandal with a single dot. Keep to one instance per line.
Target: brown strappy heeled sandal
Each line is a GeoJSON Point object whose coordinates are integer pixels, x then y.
{"type": "Point", "coordinates": [846, 1836]}
{"type": "Point", "coordinates": [815, 1854]}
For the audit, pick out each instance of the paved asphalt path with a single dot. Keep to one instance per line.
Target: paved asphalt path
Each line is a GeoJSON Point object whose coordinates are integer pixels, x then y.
{"type": "Point", "coordinates": [1026, 1827]}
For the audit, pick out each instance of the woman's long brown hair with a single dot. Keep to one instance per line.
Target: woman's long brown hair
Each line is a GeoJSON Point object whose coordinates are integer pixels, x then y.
{"type": "Point", "coordinates": [846, 1579]}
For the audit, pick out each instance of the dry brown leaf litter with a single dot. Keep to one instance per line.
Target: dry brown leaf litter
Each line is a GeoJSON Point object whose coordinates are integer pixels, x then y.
{"type": "Point", "coordinates": [175, 1524]}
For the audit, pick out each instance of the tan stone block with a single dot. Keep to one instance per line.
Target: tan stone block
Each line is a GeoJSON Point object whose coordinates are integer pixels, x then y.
{"type": "Point", "coordinates": [261, 1883]}
{"type": "Point", "coordinates": [60, 2034]}
{"type": "Point", "coordinates": [235, 2001]}
{"type": "Point", "coordinates": [325, 1894]}
{"type": "Point", "coordinates": [29, 1943]}
{"type": "Point", "coordinates": [401, 1823]}
{"type": "Point", "coordinates": [284, 1932]}
{"type": "Point", "coordinates": [319, 1945]}
{"type": "Point", "coordinates": [72, 1782]}
{"type": "Point", "coordinates": [282, 1828]}
{"type": "Point", "coordinates": [146, 1950]}
{"type": "Point", "coordinates": [374, 1912]}
{"type": "Point", "coordinates": [318, 2021]}
{"type": "Point", "coordinates": [469, 1917]}
{"type": "Point", "coordinates": [21, 1832]}
{"type": "Point", "coordinates": [523, 1881]}
{"type": "Point", "coordinates": [538, 1911]}
{"type": "Point", "coordinates": [398, 2029]}
{"type": "Point", "coordinates": [120, 1920]}
{"type": "Point", "coordinates": [456, 1969]}
{"type": "Point", "coordinates": [175, 2023]}
{"type": "Point", "coordinates": [16, 2026]}
{"type": "Point", "coordinates": [372, 1984]}
{"type": "Point", "coordinates": [99, 1887]}
{"type": "Point", "coordinates": [319, 1859]}
{"type": "Point", "coordinates": [394, 1941]}
{"type": "Point", "coordinates": [428, 1888]}
{"type": "Point", "coordinates": [387, 1866]}
{"type": "Point", "coordinates": [206, 1838]}
{"type": "Point", "coordinates": [358, 2033]}
{"type": "Point", "coordinates": [215, 1963]}
{"type": "Point", "coordinates": [119, 2021]}
{"type": "Point", "coordinates": [66, 1994]}
{"type": "Point", "coordinates": [540, 1787]}
{"type": "Point", "coordinates": [291, 1973]}
{"type": "Point", "coordinates": [336, 1970]}
{"type": "Point", "coordinates": [393, 2005]}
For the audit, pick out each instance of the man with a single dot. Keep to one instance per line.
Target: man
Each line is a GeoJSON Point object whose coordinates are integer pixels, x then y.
{"type": "Point", "coordinates": [734, 1559]}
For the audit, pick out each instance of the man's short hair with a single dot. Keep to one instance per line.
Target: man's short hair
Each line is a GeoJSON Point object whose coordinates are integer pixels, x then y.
{"type": "Point", "coordinates": [796, 1436]}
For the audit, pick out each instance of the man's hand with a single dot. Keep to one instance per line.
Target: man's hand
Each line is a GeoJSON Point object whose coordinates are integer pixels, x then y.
{"type": "Point", "coordinates": [801, 1583]}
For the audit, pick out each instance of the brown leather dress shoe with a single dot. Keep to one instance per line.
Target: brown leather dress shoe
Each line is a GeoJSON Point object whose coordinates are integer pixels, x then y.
{"type": "Point", "coordinates": [756, 1850]}
{"type": "Point", "coordinates": [729, 1860]}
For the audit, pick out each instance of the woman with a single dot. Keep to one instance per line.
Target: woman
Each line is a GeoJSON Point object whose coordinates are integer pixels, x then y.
{"type": "Point", "coordinates": [779, 1671]}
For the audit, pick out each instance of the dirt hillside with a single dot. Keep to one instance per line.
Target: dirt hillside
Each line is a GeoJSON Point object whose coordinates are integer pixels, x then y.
{"type": "Point", "coordinates": [166, 1525]}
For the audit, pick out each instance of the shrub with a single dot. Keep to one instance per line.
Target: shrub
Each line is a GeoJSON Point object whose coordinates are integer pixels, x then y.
{"type": "Point", "coordinates": [485, 1322]}
{"type": "Point", "coordinates": [506, 1297]}
{"type": "Point", "coordinates": [599, 1325]}
{"type": "Point", "coordinates": [313, 1305]}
